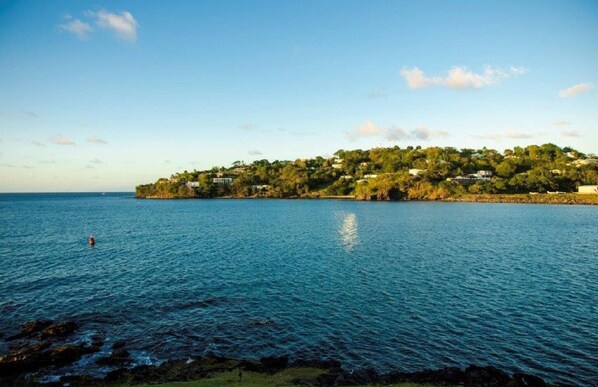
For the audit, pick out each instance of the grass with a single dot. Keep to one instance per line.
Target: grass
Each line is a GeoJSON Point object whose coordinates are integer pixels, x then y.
{"type": "Point", "coordinates": [249, 379]}
{"type": "Point", "coordinates": [287, 377]}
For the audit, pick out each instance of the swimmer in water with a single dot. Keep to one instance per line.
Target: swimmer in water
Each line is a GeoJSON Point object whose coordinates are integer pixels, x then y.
{"type": "Point", "coordinates": [92, 240]}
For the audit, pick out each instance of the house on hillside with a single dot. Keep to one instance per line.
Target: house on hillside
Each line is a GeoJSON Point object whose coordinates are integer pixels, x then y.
{"type": "Point", "coordinates": [587, 189]}
{"type": "Point", "coordinates": [483, 175]}
{"type": "Point", "coordinates": [222, 180]}
{"type": "Point", "coordinates": [260, 187]}
{"type": "Point", "coordinates": [193, 184]}
{"type": "Point", "coordinates": [415, 171]}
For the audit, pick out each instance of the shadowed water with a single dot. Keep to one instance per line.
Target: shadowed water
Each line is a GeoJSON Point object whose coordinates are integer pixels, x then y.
{"type": "Point", "coordinates": [389, 285]}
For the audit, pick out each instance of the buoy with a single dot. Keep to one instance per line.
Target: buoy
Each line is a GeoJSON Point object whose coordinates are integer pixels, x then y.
{"type": "Point", "coordinates": [92, 240]}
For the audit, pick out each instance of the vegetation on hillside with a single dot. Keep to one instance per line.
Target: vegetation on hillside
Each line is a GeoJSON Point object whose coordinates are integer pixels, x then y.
{"type": "Point", "coordinates": [411, 173]}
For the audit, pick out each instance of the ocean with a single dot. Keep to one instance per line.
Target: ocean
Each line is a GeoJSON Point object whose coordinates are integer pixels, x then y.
{"type": "Point", "coordinates": [388, 285]}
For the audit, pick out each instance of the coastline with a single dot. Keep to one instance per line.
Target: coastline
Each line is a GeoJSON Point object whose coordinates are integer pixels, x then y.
{"type": "Point", "coordinates": [41, 349]}
{"type": "Point", "coordinates": [568, 198]}
{"type": "Point", "coordinates": [43, 346]}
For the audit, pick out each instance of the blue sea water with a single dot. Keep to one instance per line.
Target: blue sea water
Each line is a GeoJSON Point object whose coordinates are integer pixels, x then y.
{"type": "Point", "coordinates": [394, 286]}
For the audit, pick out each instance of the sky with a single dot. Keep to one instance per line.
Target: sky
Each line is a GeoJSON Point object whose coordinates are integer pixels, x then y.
{"type": "Point", "coordinates": [103, 95]}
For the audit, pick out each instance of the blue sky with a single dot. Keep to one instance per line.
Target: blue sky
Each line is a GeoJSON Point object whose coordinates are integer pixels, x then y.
{"type": "Point", "coordinates": [101, 96]}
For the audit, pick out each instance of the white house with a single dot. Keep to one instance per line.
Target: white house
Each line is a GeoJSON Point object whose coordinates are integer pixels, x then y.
{"type": "Point", "coordinates": [372, 176]}
{"type": "Point", "coordinates": [193, 184]}
{"type": "Point", "coordinates": [415, 171]}
{"type": "Point", "coordinates": [222, 180]}
{"type": "Point", "coordinates": [587, 189]}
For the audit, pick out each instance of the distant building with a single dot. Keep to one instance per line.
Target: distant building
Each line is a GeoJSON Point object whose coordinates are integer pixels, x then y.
{"type": "Point", "coordinates": [222, 180]}
{"type": "Point", "coordinates": [193, 184]}
{"type": "Point", "coordinates": [371, 176]}
{"type": "Point", "coordinates": [587, 189]}
{"type": "Point", "coordinates": [483, 175]}
{"type": "Point", "coordinates": [337, 166]}
{"type": "Point", "coordinates": [555, 171]}
{"type": "Point", "coordinates": [415, 171]}
{"type": "Point", "coordinates": [346, 177]}
{"type": "Point", "coordinates": [260, 187]}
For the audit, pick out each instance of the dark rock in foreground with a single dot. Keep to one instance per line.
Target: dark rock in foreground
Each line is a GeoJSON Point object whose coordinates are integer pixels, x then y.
{"type": "Point", "coordinates": [38, 348]}
{"type": "Point", "coordinates": [119, 344]}
{"type": "Point", "coordinates": [119, 357]}
{"type": "Point", "coordinates": [41, 344]}
{"type": "Point", "coordinates": [44, 329]}
{"type": "Point", "coordinates": [30, 328]}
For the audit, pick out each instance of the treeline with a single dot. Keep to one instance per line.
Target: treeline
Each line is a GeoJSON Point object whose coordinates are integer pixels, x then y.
{"type": "Point", "coordinates": [411, 173]}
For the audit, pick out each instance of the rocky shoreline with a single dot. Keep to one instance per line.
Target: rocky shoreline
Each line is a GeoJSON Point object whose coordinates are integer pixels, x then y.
{"type": "Point", "coordinates": [569, 198]}
{"type": "Point", "coordinates": [44, 344]}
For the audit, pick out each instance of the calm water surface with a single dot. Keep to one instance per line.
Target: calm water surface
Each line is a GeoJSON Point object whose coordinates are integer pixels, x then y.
{"type": "Point", "coordinates": [393, 286]}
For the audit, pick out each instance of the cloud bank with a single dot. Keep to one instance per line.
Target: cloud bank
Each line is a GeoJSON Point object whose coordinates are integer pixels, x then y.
{"type": "Point", "coordinates": [574, 90]}
{"type": "Point", "coordinates": [459, 77]}
{"type": "Point", "coordinates": [394, 133]}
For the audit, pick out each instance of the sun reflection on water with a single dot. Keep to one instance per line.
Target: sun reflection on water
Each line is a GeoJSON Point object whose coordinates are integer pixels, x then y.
{"type": "Point", "coordinates": [348, 231]}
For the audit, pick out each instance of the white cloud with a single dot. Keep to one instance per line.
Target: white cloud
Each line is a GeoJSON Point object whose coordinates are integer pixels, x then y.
{"type": "Point", "coordinates": [368, 129]}
{"type": "Point", "coordinates": [575, 90]}
{"type": "Point", "coordinates": [255, 152]}
{"type": "Point", "coordinates": [459, 77]}
{"type": "Point", "coordinates": [96, 140]}
{"type": "Point", "coordinates": [123, 25]}
{"type": "Point", "coordinates": [96, 161]}
{"type": "Point", "coordinates": [561, 123]}
{"type": "Point", "coordinates": [423, 133]}
{"type": "Point", "coordinates": [61, 140]}
{"type": "Point", "coordinates": [570, 133]}
{"type": "Point", "coordinates": [394, 133]}
{"type": "Point", "coordinates": [77, 27]}
{"type": "Point", "coordinates": [246, 127]}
